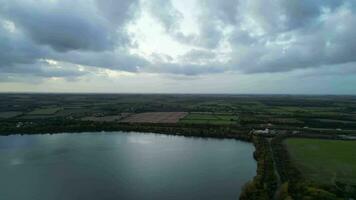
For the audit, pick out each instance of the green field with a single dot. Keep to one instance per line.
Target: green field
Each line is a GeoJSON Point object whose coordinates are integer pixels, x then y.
{"type": "Point", "coordinates": [324, 161]}
{"type": "Point", "coordinates": [9, 114]}
{"type": "Point", "coordinates": [209, 118]}
{"type": "Point", "coordinates": [45, 111]}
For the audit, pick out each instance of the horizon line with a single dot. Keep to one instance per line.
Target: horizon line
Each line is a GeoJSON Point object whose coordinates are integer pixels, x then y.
{"type": "Point", "coordinates": [176, 93]}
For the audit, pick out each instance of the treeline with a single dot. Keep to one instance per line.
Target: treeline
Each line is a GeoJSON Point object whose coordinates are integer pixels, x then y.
{"type": "Point", "coordinates": [331, 124]}
{"type": "Point", "coordinates": [299, 102]}
{"type": "Point", "coordinates": [264, 184]}
{"type": "Point", "coordinates": [60, 126]}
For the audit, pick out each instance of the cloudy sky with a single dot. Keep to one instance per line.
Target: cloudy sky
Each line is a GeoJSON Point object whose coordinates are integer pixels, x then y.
{"type": "Point", "coordinates": [178, 46]}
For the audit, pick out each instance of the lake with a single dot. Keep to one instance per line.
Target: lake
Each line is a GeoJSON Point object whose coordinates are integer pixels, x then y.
{"type": "Point", "coordinates": [125, 166]}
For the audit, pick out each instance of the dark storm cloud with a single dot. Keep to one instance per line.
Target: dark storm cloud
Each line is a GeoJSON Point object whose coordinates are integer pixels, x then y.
{"type": "Point", "coordinates": [41, 69]}
{"type": "Point", "coordinates": [15, 48]}
{"type": "Point", "coordinates": [118, 12]}
{"type": "Point", "coordinates": [63, 25]}
{"type": "Point", "coordinates": [291, 34]}
{"type": "Point", "coordinates": [20, 56]}
{"type": "Point", "coordinates": [329, 40]}
{"type": "Point", "coordinates": [78, 32]}
{"type": "Point", "coordinates": [300, 13]}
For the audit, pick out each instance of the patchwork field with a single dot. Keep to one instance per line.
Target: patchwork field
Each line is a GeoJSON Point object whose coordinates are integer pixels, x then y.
{"type": "Point", "coordinates": [324, 161]}
{"type": "Point", "coordinates": [155, 117]}
{"type": "Point", "coordinates": [210, 118]}
{"type": "Point", "coordinates": [331, 114]}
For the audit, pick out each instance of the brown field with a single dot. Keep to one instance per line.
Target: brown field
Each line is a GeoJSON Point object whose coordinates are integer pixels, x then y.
{"type": "Point", "coordinates": [111, 118]}
{"type": "Point", "coordinates": [155, 117]}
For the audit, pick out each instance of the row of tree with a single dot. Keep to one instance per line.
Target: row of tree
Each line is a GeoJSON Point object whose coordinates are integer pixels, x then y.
{"type": "Point", "coordinates": [264, 184]}
{"type": "Point", "coordinates": [59, 126]}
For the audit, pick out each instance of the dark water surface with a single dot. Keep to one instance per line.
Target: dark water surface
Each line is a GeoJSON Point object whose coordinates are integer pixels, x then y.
{"type": "Point", "coordinates": [120, 166]}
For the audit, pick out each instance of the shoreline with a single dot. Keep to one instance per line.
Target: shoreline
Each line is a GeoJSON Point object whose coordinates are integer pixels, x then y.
{"type": "Point", "coordinates": [196, 133]}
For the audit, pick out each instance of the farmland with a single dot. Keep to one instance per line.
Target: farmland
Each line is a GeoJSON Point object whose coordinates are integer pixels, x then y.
{"type": "Point", "coordinates": [313, 113]}
{"type": "Point", "coordinates": [210, 118]}
{"type": "Point", "coordinates": [112, 118]}
{"type": "Point", "coordinates": [44, 111]}
{"type": "Point", "coordinates": [155, 117]}
{"type": "Point", "coordinates": [9, 114]}
{"type": "Point", "coordinates": [324, 161]}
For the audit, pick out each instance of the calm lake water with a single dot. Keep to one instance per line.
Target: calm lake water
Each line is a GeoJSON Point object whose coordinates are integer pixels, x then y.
{"type": "Point", "coordinates": [123, 166]}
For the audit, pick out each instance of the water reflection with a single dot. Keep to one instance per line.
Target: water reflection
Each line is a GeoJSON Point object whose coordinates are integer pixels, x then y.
{"type": "Point", "coordinates": [122, 166]}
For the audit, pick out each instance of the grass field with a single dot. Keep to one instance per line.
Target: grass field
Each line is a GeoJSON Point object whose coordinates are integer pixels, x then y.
{"type": "Point", "coordinates": [9, 114]}
{"type": "Point", "coordinates": [209, 118]}
{"type": "Point", "coordinates": [324, 161]}
{"type": "Point", "coordinates": [45, 111]}
{"type": "Point", "coordinates": [112, 118]}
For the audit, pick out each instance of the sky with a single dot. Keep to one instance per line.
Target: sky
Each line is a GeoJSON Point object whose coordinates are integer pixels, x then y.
{"type": "Point", "coordinates": [178, 46]}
